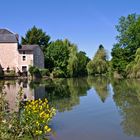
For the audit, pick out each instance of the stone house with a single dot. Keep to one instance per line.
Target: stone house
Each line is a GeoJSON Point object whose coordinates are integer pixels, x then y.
{"type": "Point", "coordinates": [18, 57]}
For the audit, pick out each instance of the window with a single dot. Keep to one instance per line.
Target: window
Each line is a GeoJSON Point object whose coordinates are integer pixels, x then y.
{"type": "Point", "coordinates": [24, 68]}
{"type": "Point", "coordinates": [23, 58]}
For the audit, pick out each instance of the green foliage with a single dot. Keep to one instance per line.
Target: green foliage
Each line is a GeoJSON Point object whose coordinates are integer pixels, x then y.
{"type": "Point", "coordinates": [91, 68]}
{"type": "Point", "coordinates": [100, 84]}
{"type": "Point", "coordinates": [82, 63]}
{"type": "Point", "coordinates": [73, 61]}
{"type": "Point", "coordinates": [44, 72]}
{"type": "Point", "coordinates": [60, 54]}
{"type": "Point", "coordinates": [36, 116]}
{"type": "Point", "coordinates": [133, 68]}
{"type": "Point", "coordinates": [58, 73]}
{"type": "Point", "coordinates": [31, 122]}
{"type": "Point", "coordinates": [57, 55]}
{"type": "Point", "coordinates": [119, 61]}
{"type": "Point", "coordinates": [64, 93]}
{"type": "Point", "coordinates": [34, 71]}
{"type": "Point", "coordinates": [31, 70]}
{"type": "Point", "coordinates": [36, 36]}
{"type": "Point", "coordinates": [127, 98]}
{"type": "Point", "coordinates": [128, 39]}
{"type": "Point", "coordinates": [9, 124]}
{"type": "Point", "coordinates": [63, 59]}
{"type": "Point", "coordinates": [99, 63]}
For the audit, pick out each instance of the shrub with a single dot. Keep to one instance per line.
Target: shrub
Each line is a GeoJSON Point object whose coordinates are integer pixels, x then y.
{"type": "Point", "coordinates": [31, 70]}
{"type": "Point", "coordinates": [36, 116]}
{"type": "Point", "coordinates": [32, 120]}
{"type": "Point", "coordinates": [44, 72]}
{"type": "Point", "coordinates": [57, 73]}
{"type": "Point", "coordinates": [34, 71]}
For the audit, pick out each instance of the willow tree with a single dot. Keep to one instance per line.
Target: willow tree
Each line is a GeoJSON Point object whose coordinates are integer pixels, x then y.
{"type": "Point", "coordinates": [133, 68]}
{"type": "Point", "coordinates": [72, 61]}
{"type": "Point", "coordinates": [99, 64]}
{"type": "Point", "coordinates": [137, 65]}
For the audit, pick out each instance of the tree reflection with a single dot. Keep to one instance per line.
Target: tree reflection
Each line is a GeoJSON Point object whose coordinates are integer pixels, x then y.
{"type": "Point", "coordinates": [101, 86]}
{"type": "Point", "coordinates": [64, 93]}
{"type": "Point", "coordinates": [127, 98]}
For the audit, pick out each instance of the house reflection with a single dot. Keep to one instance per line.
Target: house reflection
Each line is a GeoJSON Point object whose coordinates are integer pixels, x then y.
{"type": "Point", "coordinates": [12, 88]}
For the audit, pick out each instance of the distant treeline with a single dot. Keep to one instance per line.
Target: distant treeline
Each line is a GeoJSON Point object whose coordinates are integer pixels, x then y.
{"type": "Point", "coordinates": [63, 59]}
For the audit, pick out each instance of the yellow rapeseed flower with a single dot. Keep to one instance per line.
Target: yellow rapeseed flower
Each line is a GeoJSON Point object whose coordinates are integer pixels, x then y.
{"type": "Point", "coordinates": [37, 123]}
{"type": "Point", "coordinates": [41, 114]}
{"type": "Point", "coordinates": [46, 127]}
{"type": "Point", "coordinates": [49, 129]}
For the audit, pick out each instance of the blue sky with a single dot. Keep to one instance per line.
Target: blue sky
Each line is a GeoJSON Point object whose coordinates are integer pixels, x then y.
{"type": "Point", "coordinates": [86, 23]}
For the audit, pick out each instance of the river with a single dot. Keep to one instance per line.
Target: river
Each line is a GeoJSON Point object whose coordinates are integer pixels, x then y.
{"type": "Point", "coordinates": [87, 108]}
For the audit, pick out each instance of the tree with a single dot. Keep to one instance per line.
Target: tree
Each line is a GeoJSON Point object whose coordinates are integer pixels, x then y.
{"type": "Point", "coordinates": [72, 66]}
{"type": "Point", "coordinates": [36, 36]}
{"type": "Point", "coordinates": [57, 54]}
{"type": "Point", "coordinates": [82, 63]}
{"type": "Point", "coordinates": [133, 68]}
{"type": "Point", "coordinates": [91, 68]}
{"type": "Point", "coordinates": [128, 41]}
{"type": "Point", "coordinates": [99, 64]}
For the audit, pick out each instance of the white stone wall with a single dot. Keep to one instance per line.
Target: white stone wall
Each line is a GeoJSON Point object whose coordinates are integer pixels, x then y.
{"type": "Point", "coordinates": [9, 55]}
{"type": "Point", "coordinates": [12, 58]}
{"type": "Point", "coordinates": [28, 62]}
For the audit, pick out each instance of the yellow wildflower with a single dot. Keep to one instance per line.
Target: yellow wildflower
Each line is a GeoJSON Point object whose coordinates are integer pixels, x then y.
{"type": "Point", "coordinates": [49, 129]}
{"type": "Point", "coordinates": [37, 123]}
{"type": "Point", "coordinates": [46, 127]}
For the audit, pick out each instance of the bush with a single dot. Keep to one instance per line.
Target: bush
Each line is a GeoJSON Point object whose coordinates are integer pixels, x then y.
{"type": "Point", "coordinates": [36, 116]}
{"type": "Point", "coordinates": [32, 120]}
{"type": "Point", "coordinates": [44, 72]}
{"type": "Point", "coordinates": [57, 73]}
{"type": "Point", "coordinates": [34, 71]}
{"type": "Point", "coordinates": [31, 70]}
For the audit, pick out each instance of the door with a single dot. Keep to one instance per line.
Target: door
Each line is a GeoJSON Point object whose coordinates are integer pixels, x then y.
{"type": "Point", "coordinates": [24, 70]}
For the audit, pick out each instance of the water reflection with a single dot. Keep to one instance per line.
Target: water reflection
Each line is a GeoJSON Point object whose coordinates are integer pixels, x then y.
{"type": "Point", "coordinates": [64, 94]}
{"type": "Point", "coordinates": [127, 98]}
{"type": "Point", "coordinates": [101, 86]}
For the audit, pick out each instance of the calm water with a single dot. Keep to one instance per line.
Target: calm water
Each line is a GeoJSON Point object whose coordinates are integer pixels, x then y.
{"type": "Point", "coordinates": [88, 108]}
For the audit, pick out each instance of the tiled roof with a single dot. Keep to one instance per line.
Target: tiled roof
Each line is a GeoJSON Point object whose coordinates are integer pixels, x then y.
{"type": "Point", "coordinates": [5, 31]}
{"type": "Point", "coordinates": [7, 36]}
{"type": "Point", "coordinates": [27, 47]}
